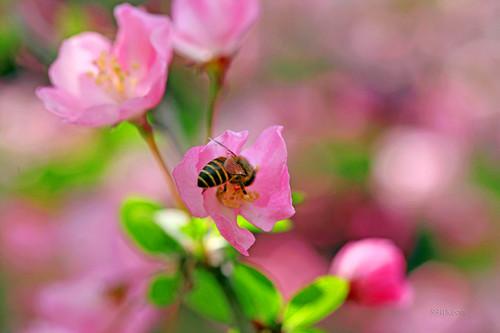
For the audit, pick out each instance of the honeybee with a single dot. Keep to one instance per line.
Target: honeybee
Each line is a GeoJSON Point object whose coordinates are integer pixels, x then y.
{"type": "Point", "coordinates": [223, 170]}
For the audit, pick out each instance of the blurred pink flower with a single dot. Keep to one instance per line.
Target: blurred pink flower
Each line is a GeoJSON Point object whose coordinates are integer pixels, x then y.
{"type": "Point", "coordinates": [27, 236]}
{"type": "Point", "coordinates": [462, 220]}
{"type": "Point", "coordinates": [105, 276]}
{"type": "Point", "coordinates": [375, 268]}
{"type": "Point", "coordinates": [205, 30]}
{"type": "Point", "coordinates": [269, 196]}
{"type": "Point", "coordinates": [289, 260]}
{"type": "Point", "coordinates": [441, 299]}
{"type": "Point", "coordinates": [99, 301]}
{"type": "Point", "coordinates": [415, 166]}
{"type": "Point", "coordinates": [97, 83]}
{"type": "Point", "coordinates": [27, 132]}
{"type": "Point", "coordinates": [91, 238]}
{"type": "Point", "coordinates": [46, 327]}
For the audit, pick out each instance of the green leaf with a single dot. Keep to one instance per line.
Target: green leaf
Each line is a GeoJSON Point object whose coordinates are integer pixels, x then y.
{"type": "Point", "coordinates": [71, 20]}
{"type": "Point", "coordinates": [486, 173]}
{"type": "Point", "coordinates": [308, 330]}
{"type": "Point", "coordinates": [185, 93]}
{"type": "Point", "coordinates": [197, 229]}
{"type": "Point", "coordinates": [425, 249]}
{"type": "Point", "coordinates": [280, 226]}
{"type": "Point", "coordinates": [164, 289]}
{"type": "Point", "coordinates": [137, 219]}
{"type": "Point", "coordinates": [80, 169]}
{"type": "Point", "coordinates": [258, 296]}
{"type": "Point", "coordinates": [298, 197]}
{"type": "Point", "coordinates": [315, 302]}
{"type": "Point", "coordinates": [207, 297]}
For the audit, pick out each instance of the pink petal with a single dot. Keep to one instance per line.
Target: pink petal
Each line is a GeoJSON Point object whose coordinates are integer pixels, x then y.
{"type": "Point", "coordinates": [76, 57]}
{"type": "Point", "coordinates": [134, 46]}
{"type": "Point", "coordinates": [60, 103]}
{"type": "Point", "coordinates": [144, 48]}
{"type": "Point", "coordinates": [205, 29]}
{"type": "Point", "coordinates": [99, 115]}
{"type": "Point", "coordinates": [272, 182]}
{"type": "Point", "coordinates": [95, 95]}
{"type": "Point", "coordinates": [232, 140]}
{"type": "Point", "coordinates": [185, 176]}
{"type": "Point", "coordinates": [225, 219]}
{"type": "Point", "coordinates": [151, 89]}
{"type": "Point", "coordinates": [70, 109]}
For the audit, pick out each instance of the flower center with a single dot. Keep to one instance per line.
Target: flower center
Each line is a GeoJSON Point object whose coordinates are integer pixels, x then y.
{"type": "Point", "coordinates": [232, 196]}
{"type": "Point", "coordinates": [112, 77]}
{"type": "Point", "coordinates": [116, 294]}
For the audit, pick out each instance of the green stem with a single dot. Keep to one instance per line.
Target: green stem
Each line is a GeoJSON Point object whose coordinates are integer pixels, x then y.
{"type": "Point", "coordinates": [147, 134]}
{"type": "Point", "coordinates": [240, 321]}
{"type": "Point", "coordinates": [216, 71]}
{"type": "Point", "coordinates": [215, 88]}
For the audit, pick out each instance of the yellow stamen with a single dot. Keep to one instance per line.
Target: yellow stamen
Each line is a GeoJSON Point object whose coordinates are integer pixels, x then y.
{"type": "Point", "coordinates": [112, 77]}
{"type": "Point", "coordinates": [233, 197]}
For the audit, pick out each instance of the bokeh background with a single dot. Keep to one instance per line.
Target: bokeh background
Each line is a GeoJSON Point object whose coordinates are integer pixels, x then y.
{"type": "Point", "coordinates": [391, 111]}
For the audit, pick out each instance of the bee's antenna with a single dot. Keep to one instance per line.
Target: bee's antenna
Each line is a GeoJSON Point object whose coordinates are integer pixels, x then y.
{"type": "Point", "coordinates": [220, 144]}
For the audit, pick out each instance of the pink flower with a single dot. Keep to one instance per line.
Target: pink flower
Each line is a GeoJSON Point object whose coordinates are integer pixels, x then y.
{"type": "Point", "coordinates": [96, 83]}
{"type": "Point", "coordinates": [268, 198]}
{"type": "Point", "coordinates": [205, 30]}
{"type": "Point", "coordinates": [46, 327]}
{"type": "Point", "coordinates": [375, 268]}
{"type": "Point", "coordinates": [100, 301]}
{"type": "Point", "coordinates": [289, 260]}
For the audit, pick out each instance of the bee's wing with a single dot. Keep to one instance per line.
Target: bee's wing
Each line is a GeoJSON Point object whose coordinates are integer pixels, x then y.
{"type": "Point", "coordinates": [233, 168]}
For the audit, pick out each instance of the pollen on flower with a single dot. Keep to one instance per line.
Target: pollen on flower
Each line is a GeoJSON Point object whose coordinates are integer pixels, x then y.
{"type": "Point", "coordinates": [232, 196]}
{"type": "Point", "coordinates": [116, 294]}
{"type": "Point", "coordinates": [112, 77]}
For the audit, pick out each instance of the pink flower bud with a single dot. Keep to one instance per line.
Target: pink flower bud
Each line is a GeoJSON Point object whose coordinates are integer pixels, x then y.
{"type": "Point", "coordinates": [376, 271]}
{"type": "Point", "coordinates": [205, 30]}
{"type": "Point", "coordinates": [97, 83]}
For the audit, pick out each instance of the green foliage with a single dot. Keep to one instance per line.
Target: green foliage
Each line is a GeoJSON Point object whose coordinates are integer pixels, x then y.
{"type": "Point", "coordinates": [425, 250]}
{"type": "Point", "coordinates": [72, 20]}
{"type": "Point", "coordinates": [9, 45]}
{"type": "Point", "coordinates": [308, 330]}
{"type": "Point", "coordinates": [207, 297]}
{"type": "Point", "coordinates": [189, 107]}
{"type": "Point", "coordinates": [164, 289]}
{"type": "Point", "coordinates": [79, 169]}
{"type": "Point", "coordinates": [350, 161]}
{"type": "Point", "coordinates": [298, 197]}
{"type": "Point", "coordinates": [280, 226]}
{"type": "Point", "coordinates": [486, 174]}
{"type": "Point", "coordinates": [138, 220]}
{"type": "Point", "coordinates": [197, 229]}
{"type": "Point", "coordinates": [315, 302]}
{"type": "Point", "coordinates": [257, 295]}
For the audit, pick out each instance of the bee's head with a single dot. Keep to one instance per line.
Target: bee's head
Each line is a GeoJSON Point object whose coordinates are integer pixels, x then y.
{"type": "Point", "coordinates": [249, 171]}
{"type": "Point", "coordinates": [241, 170]}
{"type": "Point", "coordinates": [245, 165]}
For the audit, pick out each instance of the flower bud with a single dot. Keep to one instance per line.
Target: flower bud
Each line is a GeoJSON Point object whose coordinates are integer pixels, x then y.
{"type": "Point", "coordinates": [375, 269]}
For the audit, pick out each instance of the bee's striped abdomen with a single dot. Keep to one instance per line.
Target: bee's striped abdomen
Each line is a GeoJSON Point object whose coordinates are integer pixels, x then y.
{"type": "Point", "coordinates": [213, 174]}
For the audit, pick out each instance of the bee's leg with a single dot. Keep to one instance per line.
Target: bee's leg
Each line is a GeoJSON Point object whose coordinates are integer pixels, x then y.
{"type": "Point", "coordinates": [224, 189]}
{"type": "Point", "coordinates": [243, 189]}
{"type": "Point", "coordinates": [204, 190]}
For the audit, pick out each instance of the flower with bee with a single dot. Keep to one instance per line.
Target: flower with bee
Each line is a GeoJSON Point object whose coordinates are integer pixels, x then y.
{"type": "Point", "coordinates": [222, 180]}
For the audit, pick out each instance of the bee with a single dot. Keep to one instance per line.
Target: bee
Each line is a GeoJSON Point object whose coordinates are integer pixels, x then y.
{"type": "Point", "coordinates": [223, 170]}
